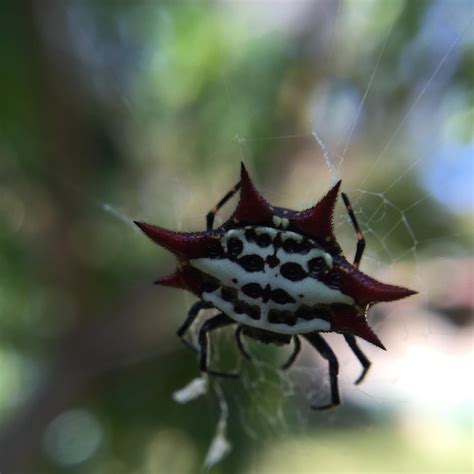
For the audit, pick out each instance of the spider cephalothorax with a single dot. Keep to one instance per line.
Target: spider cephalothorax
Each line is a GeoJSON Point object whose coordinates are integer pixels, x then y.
{"type": "Point", "coordinates": [276, 273]}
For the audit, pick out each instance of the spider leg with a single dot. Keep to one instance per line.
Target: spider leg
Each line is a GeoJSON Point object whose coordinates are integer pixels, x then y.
{"type": "Point", "coordinates": [212, 213]}
{"type": "Point", "coordinates": [351, 341]}
{"type": "Point", "coordinates": [360, 237]}
{"type": "Point", "coordinates": [216, 322]}
{"type": "Point", "coordinates": [323, 348]}
{"type": "Point", "coordinates": [192, 315]}
{"type": "Point", "coordinates": [294, 354]}
{"type": "Point", "coordinates": [240, 343]}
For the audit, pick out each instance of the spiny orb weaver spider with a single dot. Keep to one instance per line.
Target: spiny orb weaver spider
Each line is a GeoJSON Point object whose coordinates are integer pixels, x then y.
{"type": "Point", "coordinates": [277, 274]}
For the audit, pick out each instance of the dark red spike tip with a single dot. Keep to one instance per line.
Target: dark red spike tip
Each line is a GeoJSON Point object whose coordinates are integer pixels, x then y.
{"type": "Point", "coordinates": [252, 207]}
{"type": "Point", "coordinates": [186, 245]}
{"type": "Point", "coordinates": [174, 280]}
{"type": "Point", "coordinates": [366, 290]}
{"type": "Point", "coordinates": [185, 278]}
{"type": "Point", "coordinates": [392, 292]}
{"type": "Point", "coordinates": [317, 221]}
{"type": "Point", "coordinates": [364, 331]}
{"type": "Point", "coordinates": [346, 320]}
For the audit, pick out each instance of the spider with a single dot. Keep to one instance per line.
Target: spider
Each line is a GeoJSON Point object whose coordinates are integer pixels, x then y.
{"type": "Point", "coordinates": [277, 274]}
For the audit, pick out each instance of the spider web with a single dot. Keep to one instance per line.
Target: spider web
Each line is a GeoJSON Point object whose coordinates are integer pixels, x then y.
{"type": "Point", "coordinates": [271, 403]}
{"type": "Point", "coordinates": [267, 402]}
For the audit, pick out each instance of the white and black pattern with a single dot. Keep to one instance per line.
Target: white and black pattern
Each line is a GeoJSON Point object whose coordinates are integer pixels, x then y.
{"type": "Point", "coordinates": [276, 281]}
{"type": "Point", "coordinates": [268, 279]}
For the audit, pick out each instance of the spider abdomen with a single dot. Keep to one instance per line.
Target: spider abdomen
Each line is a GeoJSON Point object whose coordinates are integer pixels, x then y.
{"type": "Point", "coordinates": [271, 279]}
{"type": "Point", "coordinates": [277, 273]}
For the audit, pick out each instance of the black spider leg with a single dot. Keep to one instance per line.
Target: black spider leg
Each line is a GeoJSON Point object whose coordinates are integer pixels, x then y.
{"type": "Point", "coordinates": [294, 354]}
{"type": "Point", "coordinates": [191, 317]}
{"type": "Point", "coordinates": [360, 237]}
{"type": "Point", "coordinates": [350, 339]}
{"type": "Point", "coordinates": [212, 213]}
{"type": "Point", "coordinates": [240, 343]}
{"type": "Point", "coordinates": [323, 348]}
{"type": "Point", "coordinates": [216, 322]}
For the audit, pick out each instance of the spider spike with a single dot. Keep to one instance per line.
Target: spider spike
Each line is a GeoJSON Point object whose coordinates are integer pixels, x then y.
{"type": "Point", "coordinates": [317, 221]}
{"type": "Point", "coordinates": [252, 207]}
{"type": "Point", "coordinates": [186, 245]}
{"type": "Point", "coordinates": [174, 280]}
{"type": "Point", "coordinates": [366, 290]}
{"type": "Point", "coordinates": [346, 320]}
{"type": "Point", "coordinates": [185, 278]}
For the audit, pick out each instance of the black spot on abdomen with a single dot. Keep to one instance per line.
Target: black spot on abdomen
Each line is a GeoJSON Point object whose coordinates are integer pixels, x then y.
{"type": "Point", "coordinates": [335, 281]}
{"type": "Point", "coordinates": [253, 311]}
{"type": "Point", "coordinates": [293, 246]}
{"type": "Point", "coordinates": [241, 307]}
{"type": "Point", "coordinates": [290, 245]}
{"type": "Point", "coordinates": [234, 247]}
{"type": "Point", "coordinates": [316, 265]}
{"type": "Point", "coordinates": [308, 313]}
{"type": "Point", "coordinates": [281, 297]}
{"type": "Point", "coordinates": [263, 240]}
{"type": "Point", "coordinates": [276, 316]}
{"type": "Point", "coordinates": [229, 294]}
{"type": "Point", "coordinates": [254, 290]}
{"type": "Point", "coordinates": [272, 261]}
{"type": "Point", "coordinates": [293, 271]}
{"type": "Point", "coordinates": [251, 263]}
{"type": "Point", "coordinates": [250, 235]}
{"type": "Point", "coordinates": [214, 249]}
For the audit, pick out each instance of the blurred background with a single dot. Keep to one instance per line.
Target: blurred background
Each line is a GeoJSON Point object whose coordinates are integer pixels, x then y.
{"type": "Point", "coordinates": [113, 111]}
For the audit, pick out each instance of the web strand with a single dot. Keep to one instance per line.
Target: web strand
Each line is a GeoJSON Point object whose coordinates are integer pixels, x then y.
{"type": "Point", "coordinates": [362, 102]}
{"type": "Point", "coordinates": [416, 101]}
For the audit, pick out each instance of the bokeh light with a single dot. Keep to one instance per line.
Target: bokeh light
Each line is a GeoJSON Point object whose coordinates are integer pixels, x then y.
{"type": "Point", "coordinates": [73, 437]}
